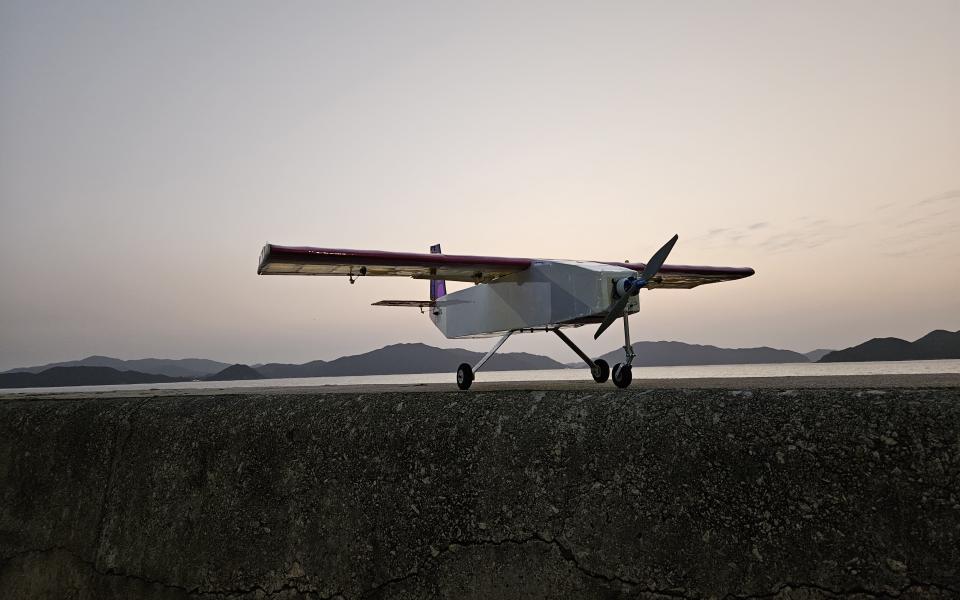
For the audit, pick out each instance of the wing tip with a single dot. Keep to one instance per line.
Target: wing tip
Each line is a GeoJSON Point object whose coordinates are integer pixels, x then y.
{"type": "Point", "coordinates": [264, 256]}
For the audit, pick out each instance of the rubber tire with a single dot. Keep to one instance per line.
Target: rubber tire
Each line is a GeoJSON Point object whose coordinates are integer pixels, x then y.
{"type": "Point", "coordinates": [622, 375]}
{"type": "Point", "coordinates": [464, 376]}
{"type": "Point", "coordinates": [601, 370]}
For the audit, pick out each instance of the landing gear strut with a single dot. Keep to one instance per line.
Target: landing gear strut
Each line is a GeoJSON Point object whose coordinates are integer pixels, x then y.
{"type": "Point", "coordinates": [623, 372]}
{"type": "Point", "coordinates": [598, 368]}
{"type": "Point", "coordinates": [465, 373]}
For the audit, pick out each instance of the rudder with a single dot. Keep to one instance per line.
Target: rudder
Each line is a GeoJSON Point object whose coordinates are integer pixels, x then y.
{"type": "Point", "coordinates": [438, 287]}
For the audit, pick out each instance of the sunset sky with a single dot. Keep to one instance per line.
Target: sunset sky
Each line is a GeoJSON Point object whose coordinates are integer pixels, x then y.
{"type": "Point", "coordinates": [148, 150]}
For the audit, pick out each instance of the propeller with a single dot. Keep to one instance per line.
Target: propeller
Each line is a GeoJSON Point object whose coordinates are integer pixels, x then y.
{"type": "Point", "coordinates": [631, 286]}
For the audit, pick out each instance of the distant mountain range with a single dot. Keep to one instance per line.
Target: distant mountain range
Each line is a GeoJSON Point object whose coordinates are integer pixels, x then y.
{"type": "Point", "coordinates": [421, 358]}
{"type": "Point", "coordinates": [408, 358]}
{"type": "Point", "coordinates": [67, 376]}
{"type": "Point", "coordinates": [663, 354]}
{"type": "Point", "coordinates": [172, 367]}
{"type": "Point", "coordinates": [394, 359]}
{"type": "Point", "coordinates": [937, 344]}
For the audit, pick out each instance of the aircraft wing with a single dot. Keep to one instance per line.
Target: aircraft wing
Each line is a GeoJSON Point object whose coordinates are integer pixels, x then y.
{"type": "Point", "coordinates": [304, 260]}
{"type": "Point", "coordinates": [688, 276]}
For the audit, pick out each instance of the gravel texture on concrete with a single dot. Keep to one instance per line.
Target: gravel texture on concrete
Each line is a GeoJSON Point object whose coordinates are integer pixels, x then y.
{"type": "Point", "coordinates": [670, 493]}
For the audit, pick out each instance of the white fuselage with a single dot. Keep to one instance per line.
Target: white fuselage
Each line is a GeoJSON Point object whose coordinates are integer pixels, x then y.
{"type": "Point", "coordinates": [548, 294]}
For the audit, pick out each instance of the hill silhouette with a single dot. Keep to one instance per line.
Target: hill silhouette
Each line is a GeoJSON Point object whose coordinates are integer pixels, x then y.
{"type": "Point", "coordinates": [409, 358]}
{"type": "Point", "coordinates": [173, 367]}
{"type": "Point", "coordinates": [69, 376]}
{"type": "Point", "coordinates": [815, 355]}
{"type": "Point", "coordinates": [938, 344]}
{"type": "Point", "coordinates": [666, 354]}
{"type": "Point", "coordinates": [235, 373]}
{"type": "Point", "coordinates": [282, 370]}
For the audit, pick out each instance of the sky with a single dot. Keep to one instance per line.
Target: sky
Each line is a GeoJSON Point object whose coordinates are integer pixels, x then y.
{"type": "Point", "coordinates": [148, 150]}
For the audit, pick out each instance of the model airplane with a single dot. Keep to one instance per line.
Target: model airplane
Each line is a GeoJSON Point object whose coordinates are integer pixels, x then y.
{"type": "Point", "coordinates": [511, 295]}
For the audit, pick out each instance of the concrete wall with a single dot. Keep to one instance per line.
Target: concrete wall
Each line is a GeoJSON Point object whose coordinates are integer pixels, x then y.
{"type": "Point", "coordinates": [657, 494]}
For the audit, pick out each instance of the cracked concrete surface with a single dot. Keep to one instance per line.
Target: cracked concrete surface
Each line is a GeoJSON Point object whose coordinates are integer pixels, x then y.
{"type": "Point", "coordinates": [706, 493]}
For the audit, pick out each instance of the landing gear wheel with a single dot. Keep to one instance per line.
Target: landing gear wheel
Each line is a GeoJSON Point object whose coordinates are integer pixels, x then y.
{"type": "Point", "coordinates": [600, 370]}
{"type": "Point", "coordinates": [622, 375]}
{"type": "Point", "coordinates": [464, 376]}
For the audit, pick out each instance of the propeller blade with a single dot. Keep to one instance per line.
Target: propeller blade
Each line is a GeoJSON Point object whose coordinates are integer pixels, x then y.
{"type": "Point", "coordinates": [657, 260]}
{"type": "Point", "coordinates": [615, 312]}
{"type": "Point", "coordinates": [649, 271]}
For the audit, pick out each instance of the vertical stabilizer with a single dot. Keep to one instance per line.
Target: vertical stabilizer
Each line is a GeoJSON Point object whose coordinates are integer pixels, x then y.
{"type": "Point", "coordinates": [438, 287]}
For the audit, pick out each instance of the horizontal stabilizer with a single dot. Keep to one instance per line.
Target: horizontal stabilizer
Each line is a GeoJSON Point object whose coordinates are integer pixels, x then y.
{"type": "Point", "coordinates": [412, 303]}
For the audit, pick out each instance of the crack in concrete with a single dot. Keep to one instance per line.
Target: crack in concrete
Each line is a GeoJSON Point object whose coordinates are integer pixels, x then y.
{"type": "Point", "coordinates": [628, 585]}
{"type": "Point", "coordinates": [190, 591]}
{"type": "Point", "coordinates": [634, 586]}
{"type": "Point", "coordinates": [91, 565]}
{"type": "Point", "coordinates": [4, 561]}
